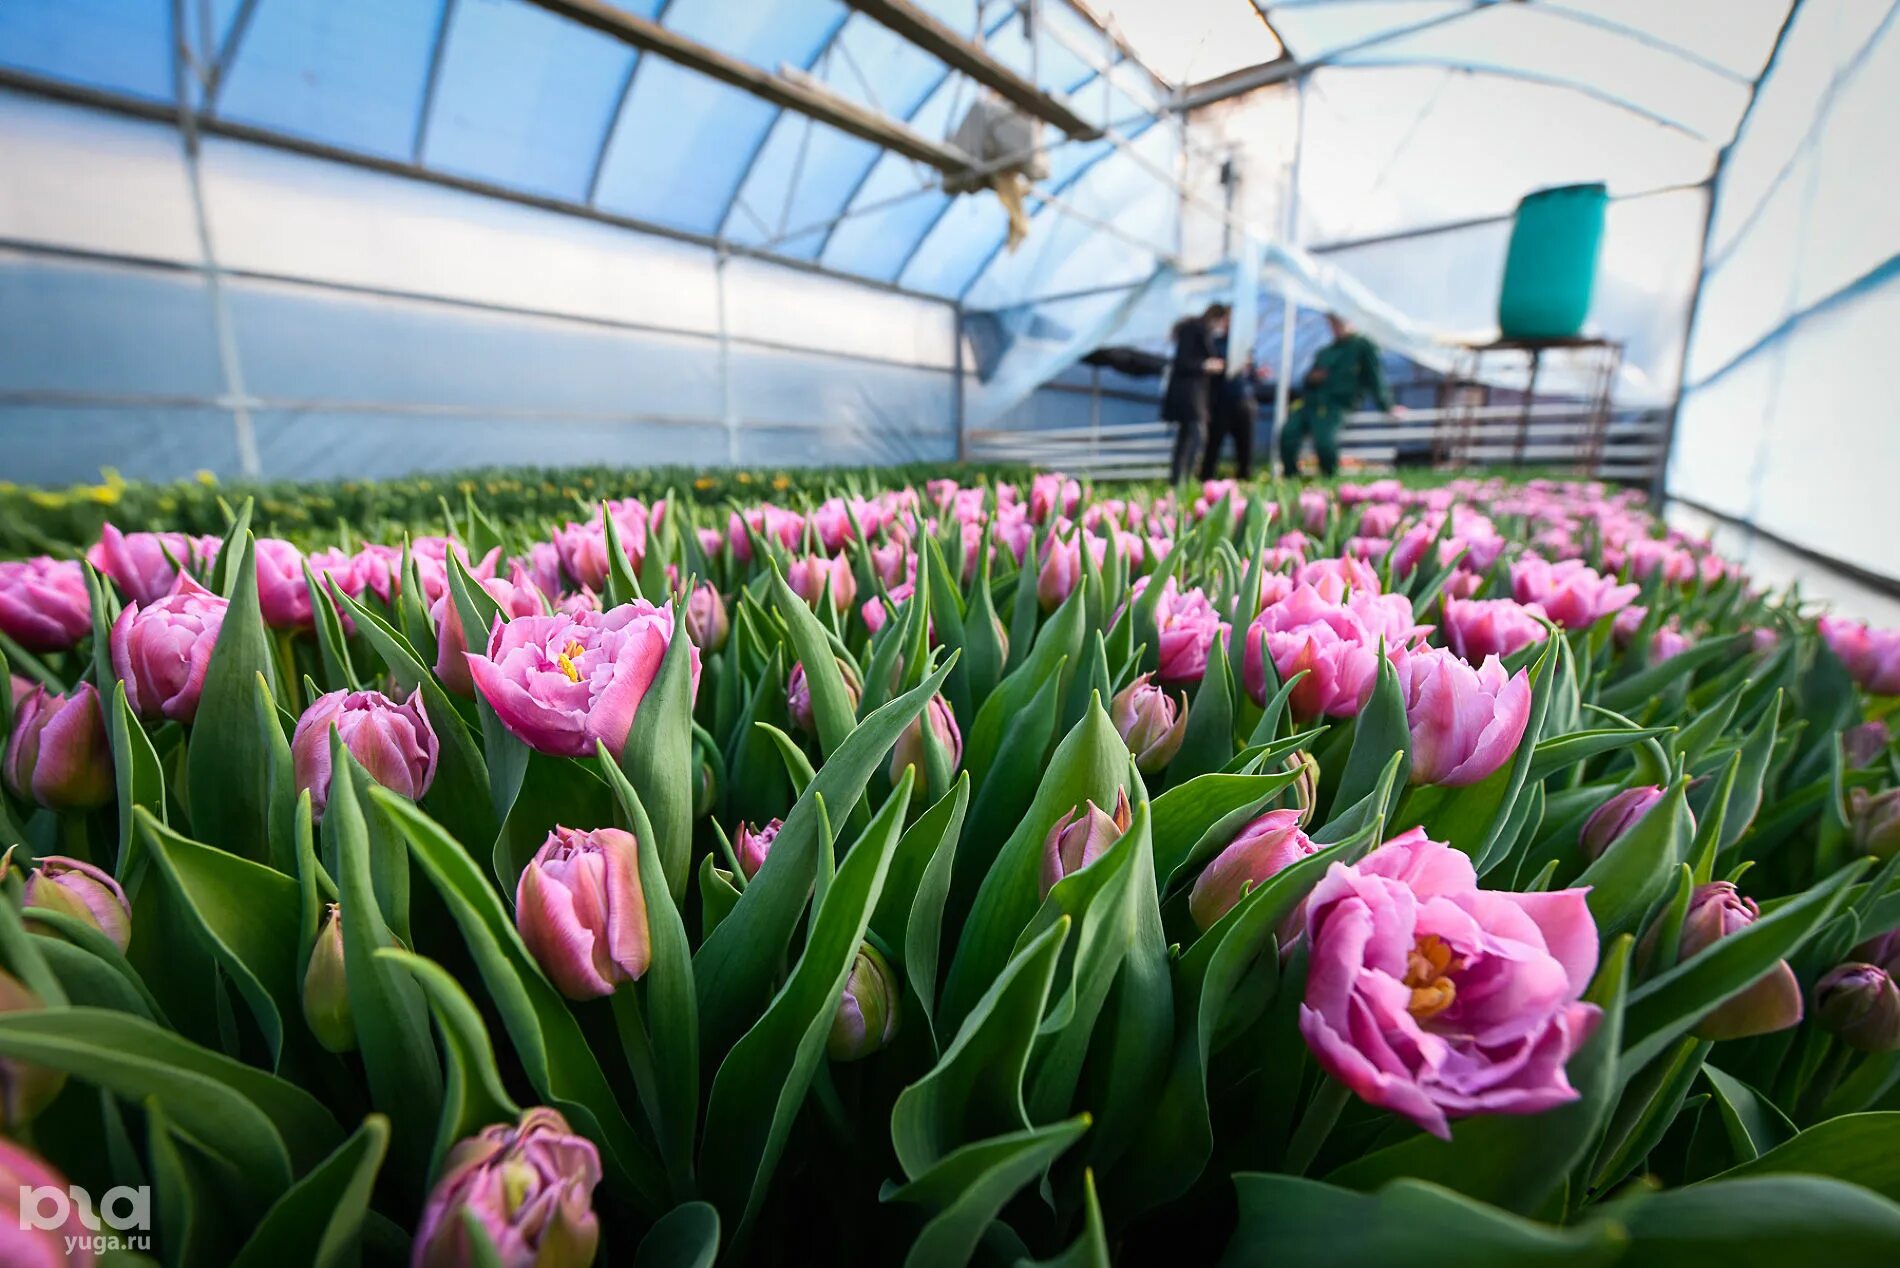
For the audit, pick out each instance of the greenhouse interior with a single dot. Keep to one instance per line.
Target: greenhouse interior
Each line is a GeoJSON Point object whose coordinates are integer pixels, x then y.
{"type": "Point", "coordinates": [939, 632]}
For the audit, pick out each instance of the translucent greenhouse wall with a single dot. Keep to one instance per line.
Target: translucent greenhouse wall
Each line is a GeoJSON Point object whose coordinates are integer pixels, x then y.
{"type": "Point", "coordinates": [368, 324]}
{"type": "Point", "coordinates": [1788, 421]}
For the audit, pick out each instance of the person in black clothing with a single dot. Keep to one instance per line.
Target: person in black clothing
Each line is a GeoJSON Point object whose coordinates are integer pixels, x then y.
{"type": "Point", "coordinates": [1236, 410]}
{"type": "Point", "coordinates": [1188, 402]}
{"type": "Point", "coordinates": [1199, 343]}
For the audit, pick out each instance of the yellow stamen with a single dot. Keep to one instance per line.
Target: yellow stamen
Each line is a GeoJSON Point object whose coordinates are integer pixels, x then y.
{"type": "Point", "coordinates": [1427, 972]}
{"type": "Point", "coordinates": [566, 659]}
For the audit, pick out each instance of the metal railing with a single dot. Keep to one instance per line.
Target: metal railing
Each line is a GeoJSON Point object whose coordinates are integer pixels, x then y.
{"type": "Point", "coordinates": [1631, 447]}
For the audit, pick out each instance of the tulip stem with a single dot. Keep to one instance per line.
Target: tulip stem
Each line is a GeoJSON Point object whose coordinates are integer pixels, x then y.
{"type": "Point", "coordinates": [1315, 1125]}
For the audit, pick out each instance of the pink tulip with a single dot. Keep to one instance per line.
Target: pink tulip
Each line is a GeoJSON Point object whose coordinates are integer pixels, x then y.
{"type": "Point", "coordinates": [875, 613]}
{"type": "Point", "coordinates": [451, 641]}
{"type": "Point", "coordinates": [1616, 816]}
{"type": "Point", "coordinates": [379, 569]}
{"type": "Point", "coordinates": [162, 650]}
{"type": "Point", "coordinates": [798, 695]}
{"type": "Point", "coordinates": [1259, 851]}
{"type": "Point", "coordinates": [529, 1186]}
{"type": "Point", "coordinates": [1572, 594]}
{"type": "Point", "coordinates": [1080, 837]}
{"type": "Point", "coordinates": [1149, 723]}
{"type": "Point", "coordinates": [1336, 644]}
{"type": "Point", "coordinates": [430, 556]}
{"type": "Point", "coordinates": [1334, 579]}
{"type": "Point", "coordinates": [816, 577]}
{"type": "Point", "coordinates": [1188, 625]}
{"type": "Point", "coordinates": [25, 1242]}
{"type": "Point", "coordinates": [1434, 999]}
{"type": "Point", "coordinates": [750, 847]}
{"type": "Point", "coordinates": [910, 749]}
{"type": "Point", "coordinates": [1771, 1003]}
{"type": "Point", "coordinates": [1465, 722]}
{"type": "Point", "coordinates": [1379, 519]}
{"type": "Point", "coordinates": [145, 565]}
{"type": "Point", "coordinates": [58, 754]}
{"type": "Point", "coordinates": [1872, 656]}
{"type": "Point", "coordinates": [559, 683]}
{"type": "Point", "coordinates": [1477, 628]}
{"type": "Point", "coordinates": [582, 913]}
{"type": "Point", "coordinates": [1314, 508]}
{"type": "Point", "coordinates": [44, 603]}
{"type": "Point", "coordinates": [394, 742]}
{"type": "Point", "coordinates": [281, 591]}
{"type": "Point", "coordinates": [540, 568]}
{"type": "Point", "coordinates": [769, 522]}
{"type": "Point", "coordinates": [88, 894]}
{"type": "Point", "coordinates": [1061, 570]}
{"type": "Point", "coordinates": [706, 621]}
{"type": "Point", "coordinates": [1052, 494]}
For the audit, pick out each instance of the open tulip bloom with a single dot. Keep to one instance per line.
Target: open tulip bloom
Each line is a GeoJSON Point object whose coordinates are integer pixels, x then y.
{"type": "Point", "coordinates": [980, 870]}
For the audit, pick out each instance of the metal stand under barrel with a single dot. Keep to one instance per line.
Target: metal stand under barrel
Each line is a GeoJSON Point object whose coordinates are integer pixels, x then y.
{"type": "Point", "coordinates": [1566, 430]}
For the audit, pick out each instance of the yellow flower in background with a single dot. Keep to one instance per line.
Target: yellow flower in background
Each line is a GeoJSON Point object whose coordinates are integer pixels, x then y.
{"type": "Point", "coordinates": [743, 477]}
{"type": "Point", "coordinates": [704, 482]}
{"type": "Point", "coordinates": [781, 482]}
{"type": "Point", "coordinates": [205, 477]}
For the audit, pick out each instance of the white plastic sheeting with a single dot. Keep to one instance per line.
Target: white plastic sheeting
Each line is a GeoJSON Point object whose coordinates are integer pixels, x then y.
{"type": "Point", "coordinates": [1788, 420]}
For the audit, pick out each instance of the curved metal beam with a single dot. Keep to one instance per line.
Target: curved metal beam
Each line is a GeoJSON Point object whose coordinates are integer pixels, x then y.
{"type": "Point", "coordinates": [1531, 77]}
{"type": "Point", "coordinates": [910, 117]}
{"type": "Point", "coordinates": [745, 173]}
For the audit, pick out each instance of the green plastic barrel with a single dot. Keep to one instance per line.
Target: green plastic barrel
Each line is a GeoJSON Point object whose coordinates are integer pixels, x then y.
{"type": "Point", "coordinates": [1552, 265]}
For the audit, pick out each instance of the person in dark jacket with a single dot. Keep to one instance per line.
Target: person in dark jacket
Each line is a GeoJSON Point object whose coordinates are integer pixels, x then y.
{"type": "Point", "coordinates": [1345, 371]}
{"type": "Point", "coordinates": [1236, 411]}
{"type": "Point", "coordinates": [1199, 345]}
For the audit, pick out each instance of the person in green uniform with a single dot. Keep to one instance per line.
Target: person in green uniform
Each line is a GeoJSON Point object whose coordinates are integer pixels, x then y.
{"type": "Point", "coordinates": [1343, 373]}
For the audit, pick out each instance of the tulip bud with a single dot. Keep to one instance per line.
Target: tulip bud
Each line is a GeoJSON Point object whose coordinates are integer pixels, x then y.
{"type": "Point", "coordinates": [1875, 820]}
{"type": "Point", "coordinates": [909, 750]}
{"type": "Point", "coordinates": [1883, 951]}
{"type": "Point", "coordinates": [1771, 1003]}
{"type": "Point", "coordinates": [326, 991]}
{"type": "Point", "coordinates": [529, 1186]}
{"type": "Point", "coordinates": [1465, 722]}
{"type": "Point", "coordinates": [750, 847]}
{"type": "Point", "coordinates": [705, 789]}
{"type": "Point", "coordinates": [867, 1013]}
{"type": "Point", "coordinates": [1080, 837]}
{"type": "Point", "coordinates": [25, 1089]}
{"type": "Point", "coordinates": [46, 1235]}
{"type": "Point", "coordinates": [1061, 569]}
{"type": "Point", "coordinates": [161, 651]}
{"type": "Point", "coordinates": [1304, 792]}
{"type": "Point", "coordinates": [706, 621]}
{"type": "Point", "coordinates": [83, 892]}
{"type": "Point", "coordinates": [1150, 723]}
{"type": "Point", "coordinates": [813, 577]}
{"type": "Point", "coordinates": [44, 603]}
{"type": "Point", "coordinates": [58, 754]}
{"type": "Point", "coordinates": [394, 742]}
{"type": "Point", "coordinates": [1860, 745]}
{"type": "Point", "coordinates": [798, 694]}
{"type": "Point", "coordinates": [1860, 1003]}
{"type": "Point", "coordinates": [1609, 821]}
{"type": "Point", "coordinates": [1262, 849]}
{"type": "Point", "coordinates": [581, 911]}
